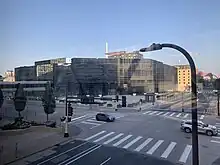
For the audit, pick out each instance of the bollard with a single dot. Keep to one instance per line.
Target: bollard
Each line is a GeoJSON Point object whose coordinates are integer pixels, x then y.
{"type": "Point", "coordinates": [16, 150]}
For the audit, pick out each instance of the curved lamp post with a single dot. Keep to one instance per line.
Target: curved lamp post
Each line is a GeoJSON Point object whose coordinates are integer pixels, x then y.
{"type": "Point", "coordinates": [154, 47]}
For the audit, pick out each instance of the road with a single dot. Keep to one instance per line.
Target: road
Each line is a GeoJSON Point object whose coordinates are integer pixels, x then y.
{"type": "Point", "coordinates": [140, 137]}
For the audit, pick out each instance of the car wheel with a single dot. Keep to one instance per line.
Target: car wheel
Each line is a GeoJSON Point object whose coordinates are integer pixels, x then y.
{"type": "Point", "coordinates": [97, 118]}
{"type": "Point", "coordinates": [187, 130]}
{"type": "Point", "coordinates": [209, 133]}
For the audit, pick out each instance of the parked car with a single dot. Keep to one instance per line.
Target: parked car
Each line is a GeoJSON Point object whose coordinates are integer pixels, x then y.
{"type": "Point", "coordinates": [210, 130]}
{"type": "Point", "coordinates": [105, 117]}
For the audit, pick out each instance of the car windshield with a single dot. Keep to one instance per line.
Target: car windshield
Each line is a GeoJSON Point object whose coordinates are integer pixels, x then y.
{"type": "Point", "coordinates": [110, 82]}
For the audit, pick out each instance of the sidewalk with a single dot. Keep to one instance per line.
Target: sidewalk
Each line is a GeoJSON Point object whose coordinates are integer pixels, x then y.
{"type": "Point", "coordinates": [16, 144]}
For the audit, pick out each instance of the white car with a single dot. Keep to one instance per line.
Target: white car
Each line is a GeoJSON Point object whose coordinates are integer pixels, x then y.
{"type": "Point", "coordinates": [210, 130]}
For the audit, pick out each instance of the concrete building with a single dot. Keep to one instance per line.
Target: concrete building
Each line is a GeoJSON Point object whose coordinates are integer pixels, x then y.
{"type": "Point", "coordinates": [44, 69]}
{"type": "Point", "coordinates": [25, 73]}
{"type": "Point", "coordinates": [9, 76]}
{"type": "Point", "coordinates": [183, 77]}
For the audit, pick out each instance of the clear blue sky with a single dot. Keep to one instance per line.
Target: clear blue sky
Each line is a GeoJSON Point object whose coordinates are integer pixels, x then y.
{"type": "Point", "coordinates": [41, 29]}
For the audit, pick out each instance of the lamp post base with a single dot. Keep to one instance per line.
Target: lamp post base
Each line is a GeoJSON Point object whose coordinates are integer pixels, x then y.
{"type": "Point", "coordinates": [66, 134]}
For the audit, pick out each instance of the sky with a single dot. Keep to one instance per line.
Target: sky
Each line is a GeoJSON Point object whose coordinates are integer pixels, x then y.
{"type": "Point", "coordinates": [33, 30]}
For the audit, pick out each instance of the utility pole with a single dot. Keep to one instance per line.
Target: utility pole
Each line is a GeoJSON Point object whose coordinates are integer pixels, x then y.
{"type": "Point", "coordinates": [66, 134]}
{"type": "Point", "coordinates": [182, 103]}
{"type": "Point", "coordinates": [217, 86]}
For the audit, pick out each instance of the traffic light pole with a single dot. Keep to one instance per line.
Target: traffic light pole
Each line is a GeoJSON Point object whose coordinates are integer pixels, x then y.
{"type": "Point", "coordinates": [66, 134]}
{"type": "Point", "coordinates": [218, 95]}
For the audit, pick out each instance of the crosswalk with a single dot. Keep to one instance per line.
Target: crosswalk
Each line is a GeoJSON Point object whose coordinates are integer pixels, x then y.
{"type": "Point", "coordinates": [216, 139]}
{"type": "Point", "coordinates": [172, 114]}
{"type": "Point", "coordinates": [150, 146]}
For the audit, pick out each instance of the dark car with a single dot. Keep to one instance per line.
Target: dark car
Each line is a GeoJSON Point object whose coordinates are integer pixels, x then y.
{"type": "Point", "coordinates": [105, 117]}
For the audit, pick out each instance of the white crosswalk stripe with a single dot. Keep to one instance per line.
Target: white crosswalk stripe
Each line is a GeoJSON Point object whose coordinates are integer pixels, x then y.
{"type": "Point", "coordinates": [185, 116]}
{"type": "Point", "coordinates": [185, 153]}
{"type": "Point", "coordinates": [166, 114]}
{"type": "Point", "coordinates": [85, 122]}
{"type": "Point", "coordinates": [139, 144]}
{"type": "Point", "coordinates": [146, 142]}
{"type": "Point", "coordinates": [122, 140]}
{"type": "Point", "coordinates": [155, 147]}
{"type": "Point", "coordinates": [132, 142]}
{"type": "Point", "coordinates": [201, 117]}
{"type": "Point", "coordinates": [168, 150]}
{"type": "Point", "coordinates": [172, 114]}
{"type": "Point", "coordinates": [152, 112]}
{"type": "Point", "coordinates": [103, 137]}
{"type": "Point", "coordinates": [146, 112]}
{"type": "Point", "coordinates": [179, 115]}
{"type": "Point", "coordinates": [90, 120]}
{"type": "Point", "coordinates": [159, 113]}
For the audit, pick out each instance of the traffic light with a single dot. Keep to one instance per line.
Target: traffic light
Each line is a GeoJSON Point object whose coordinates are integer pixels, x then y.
{"type": "Point", "coordinates": [117, 98]}
{"type": "Point", "coordinates": [123, 101]}
{"type": "Point", "coordinates": [70, 110]}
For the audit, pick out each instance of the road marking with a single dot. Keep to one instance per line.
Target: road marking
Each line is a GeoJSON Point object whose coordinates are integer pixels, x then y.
{"type": "Point", "coordinates": [83, 155]}
{"type": "Point", "coordinates": [152, 113]}
{"type": "Point", "coordinates": [114, 138]}
{"type": "Point", "coordinates": [185, 116]}
{"type": "Point", "coordinates": [105, 161]}
{"type": "Point", "coordinates": [202, 117]}
{"type": "Point", "coordinates": [214, 141]}
{"type": "Point", "coordinates": [146, 112]}
{"type": "Point", "coordinates": [95, 121]}
{"type": "Point", "coordinates": [153, 149]}
{"type": "Point", "coordinates": [185, 153]}
{"type": "Point", "coordinates": [89, 138]}
{"type": "Point", "coordinates": [159, 113]}
{"type": "Point", "coordinates": [146, 142]}
{"type": "Point", "coordinates": [78, 118]}
{"type": "Point", "coordinates": [168, 150]}
{"type": "Point", "coordinates": [94, 126]}
{"type": "Point", "coordinates": [172, 114]}
{"type": "Point", "coordinates": [179, 115]}
{"type": "Point", "coordinates": [216, 137]}
{"type": "Point", "coordinates": [132, 142]}
{"type": "Point", "coordinates": [85, 122]}
{"type": "Point", "coordinates": [166, 113]}
{"type": "Point", "coordinates": [61, 153]}
{"type": "Point", "coordinates": [122, 140]}
{"type": "Point", "coordinates": [103, 137]}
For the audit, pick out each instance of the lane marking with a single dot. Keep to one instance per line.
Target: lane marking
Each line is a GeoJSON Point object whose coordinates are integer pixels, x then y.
{"type": "Point", "coordinates": [146, 142]}
{"type": "Point", "coordinates": [216, 137]}
{"type": "Point", "coordinates": [214, 141]}
{"type": "Point", "coordinates": [185, 153]}
{"type": "Point", "coordinates": [146, 112]}
{"type": "Point", "coordinates": [202, 117]}
{"type": "Point", "coordinates": [185, 116]}
{"type": "Point", "coordinates": [105, 161]}
{"type": "Point", "coordinates": [94, 126]}
{"type": "Point", "coordinates": [155, 147]}
{"type": "Point", "coordinates": [172, 114]}
{"type": "Point", "coordinates": [152, 113]}
{"type": "Point", "coordinates": [122, 140]}
{"type": "Point", "coordinates": [61, 153]}
{"type": "Point", "coordinates": [132, 142]}
{"type": "Point", "coordinates": [168, 150]}
{"type": "Point", "coordinates": [166, 113]}
{"type": "Point", "coordinates": [159, 113]}
{"type": "Point", "coordinates": [103, 137]}
{"type": "Point", "coordinates": [96, 121]}
{"type": "Point", "coordinates": [114, 138]}
{"type": "Point", "coordinates": [93, 136]}
{"type": "Point", "coordinates": [179, 115]}
{"type": "Point", "coordinates": [83, 155]}
{"type": "Point", "coordinates": [85, 122]}
{"type": "Point", "coordinates": [78, 118]}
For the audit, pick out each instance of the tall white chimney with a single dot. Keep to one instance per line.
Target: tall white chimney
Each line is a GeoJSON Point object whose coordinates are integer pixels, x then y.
{"type": "Point", "coordinates": [106, 49]}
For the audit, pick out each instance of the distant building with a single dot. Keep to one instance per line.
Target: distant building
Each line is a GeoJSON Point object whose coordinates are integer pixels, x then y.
{"type": "Point", "coordinates": [25, 73]}
{"type": "Point", "coordinates": [9, 76]}
{"type": "Point", "coordinates": [183, 77]}
{"type": "Point", "coordinates": [44, 69]}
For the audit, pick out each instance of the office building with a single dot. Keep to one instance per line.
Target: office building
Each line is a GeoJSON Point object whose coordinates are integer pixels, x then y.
{"type": "Point", "coordinates": [25, 73]}
{"type": "Point", "coordinates": [183, 77]}
{"type": "Point", "coordinates": [9, 76]}
{"type": "Point", "coordinates": [44, 69]}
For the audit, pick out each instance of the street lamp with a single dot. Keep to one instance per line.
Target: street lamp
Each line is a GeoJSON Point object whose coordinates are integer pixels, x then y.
{"type": "Point", "coordinates": [154, 47]}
